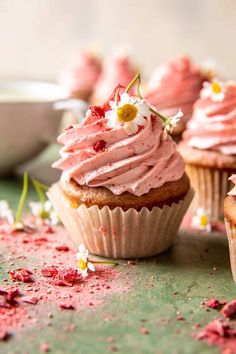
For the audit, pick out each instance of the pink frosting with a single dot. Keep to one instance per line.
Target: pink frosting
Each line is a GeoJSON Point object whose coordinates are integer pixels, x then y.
{"type": "Point", "coordinates": [81, 73]}
{"type": "Point", "coordinates": [116, 69]}
{"type": "Point", "coordinates": [175, 85]}
{"type": "Point", "coordinates": [233, 191]}
{"type": "Point", "coordinates": [94, 155]}
{"type": "Point", "coordinates": [213, 125]}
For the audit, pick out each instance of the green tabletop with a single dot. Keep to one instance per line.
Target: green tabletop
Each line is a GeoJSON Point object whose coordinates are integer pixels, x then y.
{"type": "Point", "coordinates": [162, 288]}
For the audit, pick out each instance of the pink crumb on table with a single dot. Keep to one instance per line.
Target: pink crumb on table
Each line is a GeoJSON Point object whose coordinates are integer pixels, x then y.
{"type": "Point", "coordinates": [55, 278]}
{"type": "Point", "coordinates": [221, 334]}
{"type": "Point", "coordinates": [21, 274]}
{"type": "Point", "coordinates": [229, 310]}
{"type": "Point", "coordinates": [214, 303]}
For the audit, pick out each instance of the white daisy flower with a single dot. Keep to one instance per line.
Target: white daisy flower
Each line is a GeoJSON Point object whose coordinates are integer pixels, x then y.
{"type": "Point", "coordinates": [172, 121]}
{"type": "Point", "coordinates": [44, 211]}
{"type": "Point", "coordinates": [6, 212]}
{"type": "Point", "coordinates": [131, 112]}
{"type": "Point", "coordinates": [214, 90]}
{"type": "Point", "coordinates": [201, 220]}
{"type": "Point", "coordinates": [83, 261]}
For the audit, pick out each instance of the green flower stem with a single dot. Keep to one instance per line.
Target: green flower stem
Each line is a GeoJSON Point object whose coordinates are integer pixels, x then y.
{"type": "Point", "coordinates": [163, 118]}
{"type": "Point", "coordinates": [136, 78]}
{"type": "Point", "coordinates": [104, 262]}
{"type": "Point", "coordinates": [22, 199]}
{"type": "Point", "coordinates": [38, 189]}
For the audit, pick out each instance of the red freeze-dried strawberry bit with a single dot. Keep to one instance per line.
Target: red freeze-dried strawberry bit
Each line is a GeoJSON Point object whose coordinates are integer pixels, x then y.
{"type": "Point", "coordinates": [97, 111]}
{"type": "Point", "coordinates": [212, 303]}
{"type": "Point", "coordinates": [65, 306]}
{"type": "Point", "coordinates": [63, 248]}
{"type": "Point", "coordinates": [22, 274]}
{"type": "Point", "coordinates": [69, 127]}
{"type": "Point", "coordinates": [100, 145]}
{"type": "Point", "coordinates": [49, 271]}
{"type": "Point", "coordinates": [66, 277]}
{"type": "Point", "coordinates": [9, 297]}
{"type": "Point", "coordinates": [229, 310]}
{"type": "Point", "coordinates": [4, 335]}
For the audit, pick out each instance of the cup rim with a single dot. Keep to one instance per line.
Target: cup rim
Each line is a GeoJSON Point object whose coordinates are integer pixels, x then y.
{"type": "Point", "coordinates": [43, 91]}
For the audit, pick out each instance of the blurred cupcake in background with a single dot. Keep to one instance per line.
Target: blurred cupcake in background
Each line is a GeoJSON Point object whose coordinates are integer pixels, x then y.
{"type": "Point", "coordinates": [230, 223]}
{"type": "Point", "coordinates": [81, 74]}
{"type": "Point", "coordinates": [209, 146]}
{"type": "Point", "coordinates": [173, 85]}
{"type": "Point", "coordinates": [123, 191]}
{"type": "Point", "coordinates": [117, 68]}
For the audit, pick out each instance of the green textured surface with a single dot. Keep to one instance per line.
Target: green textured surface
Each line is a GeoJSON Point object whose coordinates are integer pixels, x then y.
{"type": "Point", "coordinates": [187, 269]}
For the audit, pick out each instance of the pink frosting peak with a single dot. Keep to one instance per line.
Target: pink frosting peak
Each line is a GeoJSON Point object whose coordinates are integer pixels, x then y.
{"type": "Point", "coordinates": [81, 72]}
{"type": "Point", "coordinates": [213, 125]}
{"type": "Point", "coordinates": [116, 69]}
{"type": "Point", "coordinates": [233, 191]}
{"type": "Point", "coordinates": [175, 85]}
{"type": "Point", "coordinates": [95, 155]}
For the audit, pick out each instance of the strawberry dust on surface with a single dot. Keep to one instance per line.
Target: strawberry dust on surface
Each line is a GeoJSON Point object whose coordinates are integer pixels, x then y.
{"type": "Point", "coordinates": [41, 268]}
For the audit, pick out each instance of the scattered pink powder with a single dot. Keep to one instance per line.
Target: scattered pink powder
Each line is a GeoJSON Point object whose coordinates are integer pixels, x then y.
{"type": "Point", "coordinates": [54, 274]}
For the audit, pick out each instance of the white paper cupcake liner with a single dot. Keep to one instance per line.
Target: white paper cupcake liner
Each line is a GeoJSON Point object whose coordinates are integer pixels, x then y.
{"type": "Point", "coordinates": [211, 187]}
{"type": "Point", "coordinates": [117, 233]}
{"type": "Point", "coordinates": [231, 234]}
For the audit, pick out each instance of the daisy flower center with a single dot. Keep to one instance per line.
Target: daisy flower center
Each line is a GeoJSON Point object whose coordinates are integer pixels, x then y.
{"type": "Point", "coordinates": [126, 113]}
{"type": "Point", "coordinates": [216, 88]}
{"type": "Point", "coordinates": [203, 220]}
{"type": "Point", "coordinates": [82, 264]}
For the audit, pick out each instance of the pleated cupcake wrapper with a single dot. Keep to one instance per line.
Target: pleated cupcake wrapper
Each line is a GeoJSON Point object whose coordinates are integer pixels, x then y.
{"type": "Point", "coordinates": [231, 234]}
{"type": "Point", "coordinates": [117, 233]}
{"type": "Point", "coordinates": [211, 187]}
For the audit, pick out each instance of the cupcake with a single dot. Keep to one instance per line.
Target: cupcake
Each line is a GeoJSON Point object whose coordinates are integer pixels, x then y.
{"type": "Point", "coordinates": [176, 84]}
{"type": "Point", "coordinates": [230, 223]}
{"type": "Point", "coordinates": [81, 74]}
{"type": "Point", "coordinates": [118, 68]}
{"type": "Point", "coordinates": [209, 146]}
{"type": "Point", "coordinates": [123, 191]}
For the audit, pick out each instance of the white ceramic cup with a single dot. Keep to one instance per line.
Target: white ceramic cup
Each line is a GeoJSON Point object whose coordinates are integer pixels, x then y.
{"type": "Point", "coordinates": [28, 121]}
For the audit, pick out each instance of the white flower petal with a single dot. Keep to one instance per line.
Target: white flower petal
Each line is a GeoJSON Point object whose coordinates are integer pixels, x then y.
{"type": "Point", "coordinates": [113, 105]}
{"type": "Point", "coordinates": [140, 120]}
{"type": "Point", "coordinates": [131, 128]}
{"type": "Point", "coordinates": [91, 267]}
{"type": "Point", "coordinates": [124, 99]}
{"type": "Point", "coordinates": [84, 273]}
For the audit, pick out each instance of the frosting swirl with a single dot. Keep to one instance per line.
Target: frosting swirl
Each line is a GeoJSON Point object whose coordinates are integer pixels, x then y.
{"type": "Point", "coordinates": [175, 85]}
{"type": "Point", "coordinates": [81, 72]}
{"type": "Point", "coordinates": [233, 191]}
{"type": "Point", "coordinates": [116, 69]}
{"type": "Point", "coordinates": [95, 155]}
{"type": "Point", "coordinates": [213, 125]}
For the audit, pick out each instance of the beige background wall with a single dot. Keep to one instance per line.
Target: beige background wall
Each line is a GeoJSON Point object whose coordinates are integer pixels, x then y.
{"type": "Point", "coordinates": [37, 36]}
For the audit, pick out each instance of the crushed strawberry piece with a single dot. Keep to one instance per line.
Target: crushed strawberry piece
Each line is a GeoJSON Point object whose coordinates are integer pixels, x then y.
{"type": "Point", "coordinates": [100, 145]}
{"type": "Point", "coordinates": [66, 277]}
{"type": "Point", "coordinates": [4, 335]}
{"type": "Point", "coordinates": [22, 274]}
{"type": "Point", "coordinates": [97, 111]}
{"type": "Point", "coordinates": [8, 297]}
{"type": "Point", "coordinates": [221, 334]}
{"type": "Point", "coordinates": [33, 300]}
{"type": "Point", "coordinates": [212, 303]}
{"type": "Point", "coordinates": [63, 248]}
{"type": "Point", "coordinates": [65, 306]}
{"type": "Point", "coordinates": [229, 310]}
{"type": "Point", "coordinates": [49, 271]}
{"type": "Point", "coordinates": [69, 127]}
